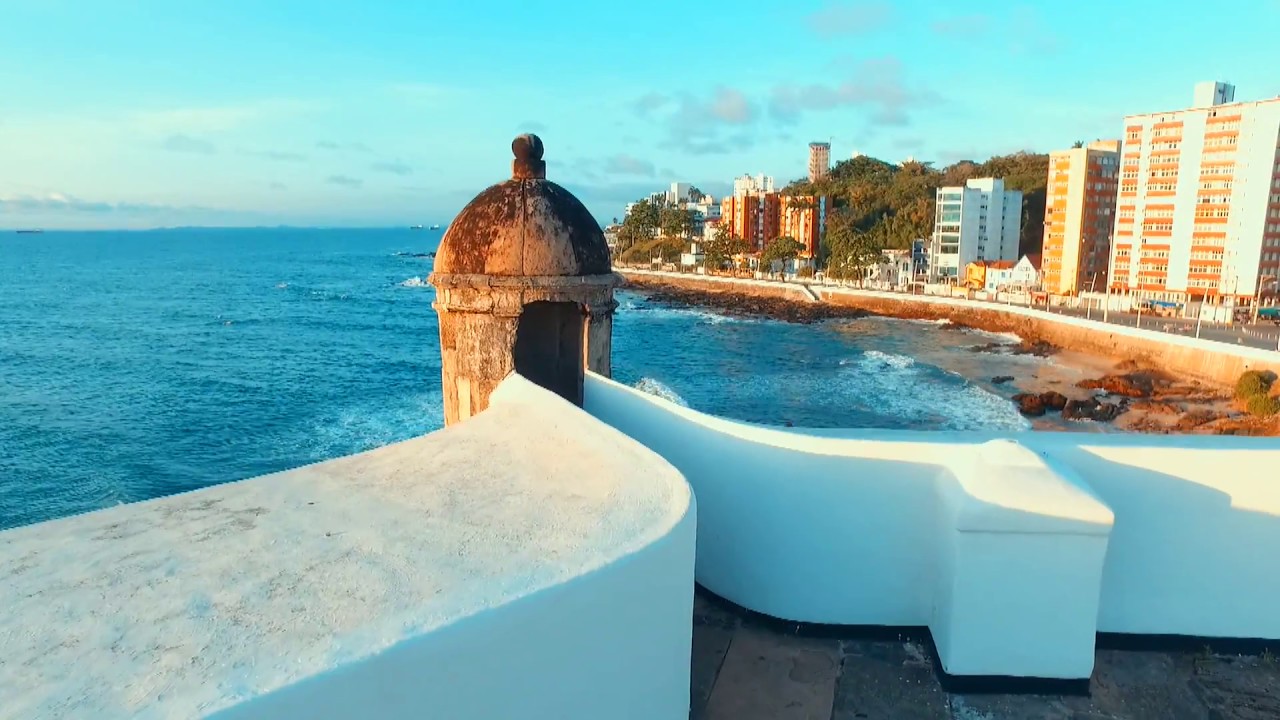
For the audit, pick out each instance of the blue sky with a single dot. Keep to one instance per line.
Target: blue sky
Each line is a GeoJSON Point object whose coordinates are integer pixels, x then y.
{"type": "Point", "coordinates": [143, 114]}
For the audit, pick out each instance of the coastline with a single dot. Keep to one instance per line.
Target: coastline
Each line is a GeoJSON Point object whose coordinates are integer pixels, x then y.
{"type": "Point", "coordinates": [1077, 391]}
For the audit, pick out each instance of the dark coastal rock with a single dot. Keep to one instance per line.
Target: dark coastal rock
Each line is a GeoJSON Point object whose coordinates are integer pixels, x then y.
{"type": "Point", "coordinates": [1053, 400]}
{"type": "Point", "coordinates": [1029, 404]}
{"type": "Point", "coordinates": [1138, 384]}
{"type": "Point", "coordinates": [1155, 407]}
{"type": "Point", "coordinates": [1196, 418]}
{"type": "Point", "coordinates": [744, 305]}
{"type": "Point", "coordinates": [1001, 379]}
{"type": "Point", "coordinates": [1038, 348]}
{"type": "Point", "coordinates": [1091, 409]}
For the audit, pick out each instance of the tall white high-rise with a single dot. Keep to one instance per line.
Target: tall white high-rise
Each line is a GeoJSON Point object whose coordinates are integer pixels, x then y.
{"type": "Point", "coordinates": [748, 185]}
{"type": "Point", "coordinates": [1198, 217]}
{"type": "Point", "coordinates": [979, 221]}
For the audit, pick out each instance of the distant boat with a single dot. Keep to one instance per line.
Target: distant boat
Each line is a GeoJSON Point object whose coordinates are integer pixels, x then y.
{"type": "Point", "coordinates": [435, 227]}
{"type": "Point", "coordinates": [415, 227]}
{"type": "Point", "coordinates": [33, 231]}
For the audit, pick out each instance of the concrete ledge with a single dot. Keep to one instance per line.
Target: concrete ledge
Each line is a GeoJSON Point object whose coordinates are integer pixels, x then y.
{"type": "Point", "coordinates": [496, 569]}
{"type": "Point", "coordinates": [1002, 486]}
{"type": "Point", "coordinates": [1061, 535]}
{"type": "Point", "coordinates": [1020, 566]}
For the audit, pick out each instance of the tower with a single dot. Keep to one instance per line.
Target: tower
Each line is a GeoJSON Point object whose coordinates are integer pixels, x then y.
{"type": "Point", "coordinates": [819, 160]}
{"type": "Point", "coordinates": [523, 284]}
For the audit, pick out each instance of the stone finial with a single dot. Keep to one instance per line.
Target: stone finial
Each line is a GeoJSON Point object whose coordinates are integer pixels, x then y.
{"type": "Point", "coordinates": [528, 164]}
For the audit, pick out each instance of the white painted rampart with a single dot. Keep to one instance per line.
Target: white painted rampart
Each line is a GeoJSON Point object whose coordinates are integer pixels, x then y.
{"type": "Point", "coordinates": [1013, 554]}
{"type": "Point", "coordinates": [530, 563]}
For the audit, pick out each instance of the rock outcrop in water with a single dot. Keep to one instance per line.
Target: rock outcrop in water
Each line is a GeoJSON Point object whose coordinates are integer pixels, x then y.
{"type": "Point", "coordinates": [1038, 348]}
{"type": "Point", "coordinates": [1029, 404]}
{"type": "Point", "coordinates": [744, 305]}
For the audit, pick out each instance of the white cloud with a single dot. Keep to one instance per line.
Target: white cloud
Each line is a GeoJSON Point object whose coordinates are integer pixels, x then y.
{"type": "Point", "coordinates": [188, 144]}
{"type": "Point", "coordinates": [850, 18]}
{"type": "Point", "coordinates": [393, 167]}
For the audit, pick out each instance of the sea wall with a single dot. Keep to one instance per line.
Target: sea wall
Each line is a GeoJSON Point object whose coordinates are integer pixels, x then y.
{"type": "Point", "coordinates": [530, 562]}
{"type": "Point", "coordinates": [1013, 554]}
{"type": "Point", "coordinates": [1205, 360]}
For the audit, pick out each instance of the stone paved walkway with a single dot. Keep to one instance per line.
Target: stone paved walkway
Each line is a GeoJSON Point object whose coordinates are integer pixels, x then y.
{"type": "Point", "coordinates": [745, 668]}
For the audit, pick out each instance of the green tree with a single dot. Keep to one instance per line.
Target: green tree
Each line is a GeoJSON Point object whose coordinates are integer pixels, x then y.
{"type": "Point", "coordinates": [677, 222]}
{"type": "Point", "coordinates": [720, 251]}
{"type": "Point", "coordinates": [779, 251]}
{"type": "Point", "coordinates": [849, 251]}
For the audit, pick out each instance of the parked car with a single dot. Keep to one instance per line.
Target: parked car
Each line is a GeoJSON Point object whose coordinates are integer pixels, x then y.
{"type": "Point", "coordinates": [1270, 313]}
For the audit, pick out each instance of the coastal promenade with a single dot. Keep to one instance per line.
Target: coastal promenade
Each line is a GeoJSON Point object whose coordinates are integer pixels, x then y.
{"type": "Point", "coordinates": [1199, 358]}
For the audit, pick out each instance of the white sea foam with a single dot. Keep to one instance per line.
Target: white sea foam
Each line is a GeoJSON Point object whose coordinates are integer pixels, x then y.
{"type": "Point", "coordinates": [705, 316]}
{"type": "Point", "coordinates": [875, 358]}
{"type": "Point", "coordinates": [660, 389]}
{"type": "Point", "coordinates": [1002, 337]}
{"type": "Point", "coordinates": [903, 388]}
{"type": "Point", "coordinates": [414, 282]}
{"type": "Point", "coordinates": [366, 426]}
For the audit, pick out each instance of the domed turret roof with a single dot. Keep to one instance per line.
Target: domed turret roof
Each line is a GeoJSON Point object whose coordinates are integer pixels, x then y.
{"type": "Point", "coordinates": [526, 226]}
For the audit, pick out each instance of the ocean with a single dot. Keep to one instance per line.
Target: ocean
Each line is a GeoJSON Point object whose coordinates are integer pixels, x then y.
{"type": "Point", "coordinates": [140, 364]}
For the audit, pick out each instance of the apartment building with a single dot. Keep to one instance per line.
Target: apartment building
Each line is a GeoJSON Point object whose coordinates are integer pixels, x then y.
{"type": "Point", "coordinates": [1079, 217]}
{"type": "Point", "coordinates": [979, 221]}
{"type": "Point", "coordinates": [1198, 214]}
{"type": "Point", "coordinates": [754, 217]}
{"type": "Point", "coordinates": [801, 219]}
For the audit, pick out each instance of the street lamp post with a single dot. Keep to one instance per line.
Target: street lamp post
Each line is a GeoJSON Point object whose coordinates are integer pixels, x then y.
{"type": "Point", "coordinates": [1093, 289]}
{"type": "Point", "coordinates": [1111, 261]}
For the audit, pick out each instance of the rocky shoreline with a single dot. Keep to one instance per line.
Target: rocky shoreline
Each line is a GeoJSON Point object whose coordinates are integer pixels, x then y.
{"type": "Point", "coordinates": [736, 304]}
{"type": "Point", "coordinates": [1126, 396]}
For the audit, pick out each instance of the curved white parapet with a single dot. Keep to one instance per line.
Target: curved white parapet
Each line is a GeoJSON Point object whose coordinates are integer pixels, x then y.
{"type": "Point", "coordinates": [530, 562]}
{"type": "Point", "coordinates": [1014, 554]}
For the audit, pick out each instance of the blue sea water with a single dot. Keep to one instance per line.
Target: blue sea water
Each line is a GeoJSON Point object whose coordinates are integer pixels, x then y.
{"type": "Point", "coordinates": [139, 364]}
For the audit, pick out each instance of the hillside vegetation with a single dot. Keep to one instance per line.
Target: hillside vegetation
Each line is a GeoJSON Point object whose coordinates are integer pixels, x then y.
{"type": "Point", "coordinates": [894, 204]}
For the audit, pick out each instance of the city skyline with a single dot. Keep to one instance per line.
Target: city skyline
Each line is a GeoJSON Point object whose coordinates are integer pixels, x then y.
{"type": "Point", "coordinates": [238, 115]}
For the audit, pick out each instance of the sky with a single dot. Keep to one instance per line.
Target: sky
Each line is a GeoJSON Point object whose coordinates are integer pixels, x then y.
{"type": "Point", "coordinates": [137, 114]}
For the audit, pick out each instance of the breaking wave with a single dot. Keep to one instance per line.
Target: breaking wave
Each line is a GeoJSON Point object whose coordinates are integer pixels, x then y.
{"type": "Point", "coordinates": [660, 389]}
{"type": "Point", "coordinates": [875, 358]}
{"type": "Point", "coordinates": [415, 282]}
{"type": "Point", "coordinates": [365, 426]}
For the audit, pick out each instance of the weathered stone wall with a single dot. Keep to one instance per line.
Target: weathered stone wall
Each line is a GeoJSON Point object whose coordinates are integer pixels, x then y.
{"type": "Point", "coordinates": [1200, 359]}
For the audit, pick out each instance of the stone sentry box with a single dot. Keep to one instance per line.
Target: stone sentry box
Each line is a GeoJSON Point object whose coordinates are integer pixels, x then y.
{"type": "Point", "coordinates": [523, 284]}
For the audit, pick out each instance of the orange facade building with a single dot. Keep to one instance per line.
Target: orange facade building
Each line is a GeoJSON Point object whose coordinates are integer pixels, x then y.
{"type": "Point", "coordinates": [801, 220]}
{"type": "Point", "coordinates": [761, 218]}
{"type": "Point", "coordinates": [754, 217]}
{"type": "Point", "coordinates": [1079, 217]}
{"type": "Point", "coordinates": [1198, 215]}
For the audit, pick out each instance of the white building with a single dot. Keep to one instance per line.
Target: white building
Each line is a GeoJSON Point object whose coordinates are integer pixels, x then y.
{"type": "Point", "coordinates": [747, 185]}
{"type": "Point", "coordinates": [679, 193]}
{"type": "Point", "coordinates": [1198, 216]}
{"type": "Point", "coordinates": [1023, 275]}
{"type": "Point", "coordinates": [1210, 93]}
{"type": "Point", "coordinates": [980, 221]}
